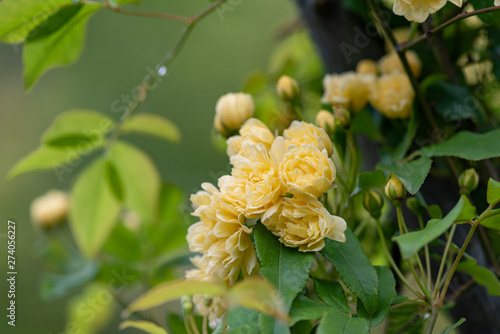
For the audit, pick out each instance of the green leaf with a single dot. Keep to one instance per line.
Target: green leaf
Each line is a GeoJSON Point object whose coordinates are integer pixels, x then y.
{"type": "Point", "coordinates": [145, 326]}
{"type": "Point", "coordinates": [468, 211]}
{"type": "Point", "coordinates": [375, 179]}
{"type": "Point", "coordinates": [139, 178]}
{"type": "Point", "coordinates": [153, 125]}
{"type": "Point", "coordinates": [410, 243]}
{"type": "Point", "coordinates": [405, 318]}
{"type": "Point", "coordinates": [491, 17]}
{"type": "Point", "coordinates": [434, 211]}
{"type": "Point", "coordinates": [453, 102]}
{"type": "Point", "coordinates": [61, 47]}
{"type": "Point", "coordinates": [354, 268]}
{"type": "Point", "coordinates": [493, 191]}
{"type": "Point", "coordinates": [467, 145]}
{"type": "Point", "coordinates": [481, 275]}
{"type": "Point", "coordinates": [19, 17]}
{"type": "Point", "coordinates": [124, 244]}
{"type": "Point", "coordinates": [362, 123]}
{"type": "Point", "coordinates": [286, 268]}
{"type": "Point", "coordinates": [267, 324]}
{"type": "Point", "coordinates": [80, 127]}
{"type": "Point", "coordinates": [304, 308]}
{"type": "Point", "coordinates": [240, 320]}
{"type": "Point", "coordinates": [173, 290]}
{"type": "Point", "coordinates": [387, 295]}
{"type": "Point", "coordinates": [94, 208]}
{"type": "Point", "coordinates": [60, 159]}
{"type": "Point", "coordinates": [412, 174]}
{"type": "Point", "coordinates": [449, 329]}
{"type": "Point", "coordinates": [493, 221]}
{"type": "Point", "coordinates": [53, 23]}
{"type": "Point", "coordinates": [332, 293]}
{"type": "Point", "coordinates": [338, 323]}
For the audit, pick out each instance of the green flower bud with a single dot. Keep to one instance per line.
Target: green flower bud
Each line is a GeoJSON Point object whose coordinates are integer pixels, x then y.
{"type": "Point", "coordinates": [187, 304]}
{"type": "Point", "coordinates": [413, 204]}
{"type": "Point", "coordinates": [395, 190]}
{"type": "Point", "coordinates": [373, 203]}
{"type": "Point", "coordinates": [468, 181]}
{"type": "Point", "coordinates": [342, 117]}
{"type": "Point", "coordinates": [287, 88]}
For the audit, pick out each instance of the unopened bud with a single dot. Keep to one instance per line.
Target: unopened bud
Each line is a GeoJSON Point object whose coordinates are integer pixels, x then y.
{"type": "Point", "coordinates": [324, 119]}
{"type": "Point", "coordinates": [373, 203]}
{"type": "Point", "coordinates": [395, 190]}
{"type": "Point", "coordinates": [187, 304]}
{"type": "Point", "coordinates": [50, 209]}
{"type": "Point", "coordinates": [287, 88]}
{"type": "Point", "coordinates": [342, 117]}
{"type": "Point", "coordinates": [468, 181]}
{"type": "Point", "coordinates": [231, 111]}
{"type": "Point", "coordinates": [413, 204]}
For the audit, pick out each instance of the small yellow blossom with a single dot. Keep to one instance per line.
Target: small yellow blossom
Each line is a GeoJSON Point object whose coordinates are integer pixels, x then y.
{"type": "Point", "coordinates": [287, 88]}
{"type": "Point", "coordinates": [50, 209]}
{"type": "Point", "coordinates": [348, 90]}
{"type": "Point", "coordinates": [306, 171]}
{"type": "Point", "coordinates": [253, 131]}
{"type": "Point", "coordinates": [324, 119]}
{"type": "Point", "coordinates": [303, 133]}
{"type": "Point", "coordinates": [367, 66]}
{"type": "Point", "coordinates": [393, 95]}
{"type": "Point", "coordinates": [419, 10]}
{"type": "Point", "coordinates": [497, 3]}
{"type": "Point", "coordinates": [391, 63]}
{"type": "Point", "coordinates": [231, 111]}
{"type": "Point", "coordinates": [305, 223]}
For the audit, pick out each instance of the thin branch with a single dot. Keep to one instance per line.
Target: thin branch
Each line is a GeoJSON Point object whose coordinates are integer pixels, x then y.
{"type": "Point", "coordinates": [461, 16]}
{"type": "Point", "coordinates": [166, 16]}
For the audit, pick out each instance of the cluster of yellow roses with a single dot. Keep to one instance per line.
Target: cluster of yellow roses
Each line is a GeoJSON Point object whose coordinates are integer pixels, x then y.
{"type": "Point", "coordinates": [391, 92]}
{"type": "Point", "coordinates": [277, 179]}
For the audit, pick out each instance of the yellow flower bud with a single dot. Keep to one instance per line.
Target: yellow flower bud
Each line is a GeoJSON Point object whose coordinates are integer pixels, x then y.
{"type": "Point", "coordinates": [324, 119]}
{"type": "Point", "coordinates": [367, 66]}
{"type": "Point", "coordinates": [392, 63]}
{"type": "Point", "coordinates": [231, 111]}
{"type": "Point", "coordinates": [287, 88]}
{"type": "Point", "coordinates": [468, 181]}
{"type": "Point", "coordinates": [187, 304]}
{"type": "Point", "coordinates": [395, 190]}
{"type": "Point", "coordinates": [50, 209]}
{"type": "Point", "coordinates": [392, 95]}
{"type": "Point", "coordinates": [373, 203]}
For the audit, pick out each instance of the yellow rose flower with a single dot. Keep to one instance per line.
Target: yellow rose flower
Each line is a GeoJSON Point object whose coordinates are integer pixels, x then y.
{"type": "Point", "coordinates": [254, 132]}
{"type": "Point", "coordinates": [221, 236]}
{"type": "Point", "coordinates": [50, 209]}
{"type": "Point", "coordinates": [367, 66]}
{"type": "Point", "coordinates": [305, 223]}
{"type": "Point", "coordinates": [391, 63]}
{"type": "Point", "coordinates": [306, 171]}
{"type": "Point", "coordinates": [303, 133]}
{"type": "Point", "coordinates": [419, 10]}
{"type": "Point", "coordinates": [231, 111]}
{"type": "Point", "coordinates": [254, 185]}
{"type": "Point", "coordinates": [393, 95]}
{"type": "Point", "coordinates": [348, 90]}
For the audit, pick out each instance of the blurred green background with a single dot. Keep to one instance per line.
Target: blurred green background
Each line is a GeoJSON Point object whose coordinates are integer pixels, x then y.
{"type": "Point", "coordinates": [119, 52]}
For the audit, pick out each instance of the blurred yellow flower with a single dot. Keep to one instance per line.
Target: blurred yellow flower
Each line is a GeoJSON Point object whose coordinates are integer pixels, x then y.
{"type": "Point", "coordinates": [367, 66]}
{"type": "Point", "coordinates": [497, 3]}
{"type": "Point", "coordinates": [303, 133]}
{"type": "Point", "coordinates": [348, 90]}
{"type": "Point", "coordinates": [253, 131]}
{"type": "Point", "coordinates": [419, 10]}
{"type": "Point", "coordinates": [304, 223]}
{"type": "Point", "coordinates": [231, 111]}
{"type": "Point", "coordinates": [391, 63]}
{"type": "Point", "coordinates": [393, 95]}
{"type": "Point", "coordinates": [50, 209]}
{"type": "Point", "coordinates": [306, 171]}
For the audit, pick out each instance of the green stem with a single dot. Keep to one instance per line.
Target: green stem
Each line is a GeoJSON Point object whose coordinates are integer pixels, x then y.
{"type": "Point", "coordinates": [353, 163]}
{"type": "Point", "coordinates": [461, 16]}
{"type": "Point", "coordinates": [427, 256]}
{"type": "Point", "coordinates": [443, 259]}
{"type": "Point", "coordinates": [401, 220]}
{"type": "Point", "coordinates": [391, 260]}
{"type": "Point", "coordinates": [432, 320]}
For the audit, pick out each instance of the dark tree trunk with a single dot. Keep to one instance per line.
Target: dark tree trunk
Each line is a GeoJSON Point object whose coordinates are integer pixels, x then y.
{"type": "Point", "coordinates": [343, 39]}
